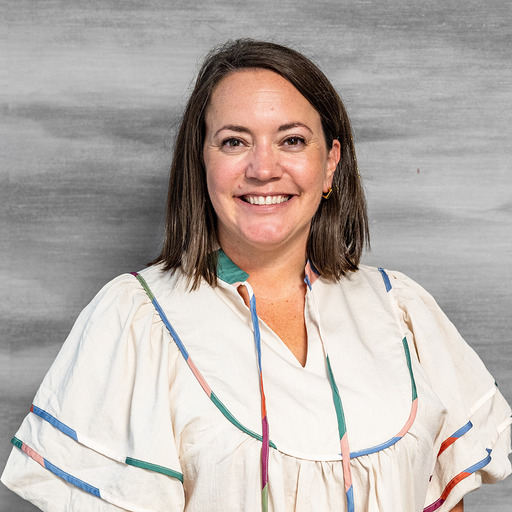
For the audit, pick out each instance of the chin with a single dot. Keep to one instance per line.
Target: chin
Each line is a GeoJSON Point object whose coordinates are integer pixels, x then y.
{"type": "Point", "coordinates": [270, 239]}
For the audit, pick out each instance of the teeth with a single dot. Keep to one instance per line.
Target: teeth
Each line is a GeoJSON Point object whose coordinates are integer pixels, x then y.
{"type": "Point", "coordinates": [261, 200]}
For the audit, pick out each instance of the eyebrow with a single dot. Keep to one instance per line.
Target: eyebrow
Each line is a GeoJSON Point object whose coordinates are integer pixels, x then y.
{"type": "Point", "coordinates": [243, 129]}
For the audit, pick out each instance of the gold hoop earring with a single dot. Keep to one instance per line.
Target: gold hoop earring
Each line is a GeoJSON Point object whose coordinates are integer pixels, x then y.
{"type": "Point", "coordinates": [327, 194]}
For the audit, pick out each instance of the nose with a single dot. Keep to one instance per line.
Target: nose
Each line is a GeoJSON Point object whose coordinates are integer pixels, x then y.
{"type": "Point", "coordinates": [263, 163]}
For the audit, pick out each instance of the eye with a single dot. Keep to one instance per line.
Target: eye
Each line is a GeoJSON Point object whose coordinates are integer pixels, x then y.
{"type": "Point", "coordinates": [232, 143]}
{"type": "Point", "coordinates": [294, 141]}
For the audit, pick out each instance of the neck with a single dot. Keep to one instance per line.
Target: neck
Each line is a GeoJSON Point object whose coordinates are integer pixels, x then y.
{"type": "Point", "coordinates": [272, 274]}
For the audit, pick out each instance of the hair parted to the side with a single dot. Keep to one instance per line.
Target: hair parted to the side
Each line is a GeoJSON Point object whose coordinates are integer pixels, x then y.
{"type": "Point", "coordinates": [339, 228]}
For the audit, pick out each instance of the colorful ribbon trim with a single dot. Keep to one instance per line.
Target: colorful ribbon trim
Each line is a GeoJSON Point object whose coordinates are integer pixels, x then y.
{"type": "Point", "coordinates": [54, 469]}
{"type": "Point", "coordinates": [52, 420]}
{"type": "Point", "coordinates": [65, 429]}
{"type": "Point", "coordinates": [456, 435]}
{"type": "Point", "coordinates": [264, 420]}
{"type": "Point", "coordinates": [457, 479]}
{"type": "Point", "coordinates": [385, 277]}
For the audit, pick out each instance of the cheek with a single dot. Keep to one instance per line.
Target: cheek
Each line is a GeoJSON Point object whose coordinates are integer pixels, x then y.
{"type": "Point", "coordinates": [219, 184]}
{"type": "Point", "coordinates": [213, 188]}
{"type": "Point", "coordinates": [215, 177]}
{"type": "Point", "coordinates": [212, 167]}
{"type": "Point", "coordinates": [312, 173]}
{"type": "Point", "coordinates": [222, 175]}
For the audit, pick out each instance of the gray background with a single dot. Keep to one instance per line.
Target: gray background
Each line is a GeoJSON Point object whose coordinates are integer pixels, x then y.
{"type": "Point", "coordinates": [94, 91]}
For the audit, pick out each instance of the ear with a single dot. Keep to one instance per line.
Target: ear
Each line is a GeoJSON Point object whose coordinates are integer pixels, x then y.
{"type": "Point", "coordinates": [333, 158]}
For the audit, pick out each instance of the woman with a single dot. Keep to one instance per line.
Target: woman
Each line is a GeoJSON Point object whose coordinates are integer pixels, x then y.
{"type": "Point", "coordinates": [256, 365]}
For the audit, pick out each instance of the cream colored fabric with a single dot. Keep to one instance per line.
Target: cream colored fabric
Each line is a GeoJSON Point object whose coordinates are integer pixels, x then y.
{"type": "Point", "coordinates": [122, 385]}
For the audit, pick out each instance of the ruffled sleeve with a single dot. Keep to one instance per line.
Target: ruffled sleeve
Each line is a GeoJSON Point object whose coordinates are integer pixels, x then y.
{"type": "Point", "coordinates": [474, 443]}
{"type": "Point", "coordinates": [99, 435]}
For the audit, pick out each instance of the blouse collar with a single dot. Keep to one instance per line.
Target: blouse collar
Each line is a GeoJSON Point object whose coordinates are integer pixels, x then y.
{"type": "Point", "coordinates": [227, 271]}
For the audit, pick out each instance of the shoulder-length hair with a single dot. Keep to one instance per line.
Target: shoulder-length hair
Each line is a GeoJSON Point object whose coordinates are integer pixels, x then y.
{"type": "Point", "coordinates": [339, 228]}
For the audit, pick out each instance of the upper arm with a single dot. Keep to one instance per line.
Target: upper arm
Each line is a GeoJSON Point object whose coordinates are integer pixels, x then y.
{"type": "Point", "coordinates": [459, 507]}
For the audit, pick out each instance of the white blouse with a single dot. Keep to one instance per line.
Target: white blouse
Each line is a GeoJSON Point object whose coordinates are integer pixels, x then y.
{"type": "Point", "coordinates": [132, 418]}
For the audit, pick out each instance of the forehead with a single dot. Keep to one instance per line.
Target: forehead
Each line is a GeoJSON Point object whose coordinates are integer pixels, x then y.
{"type": "Point", "coordinates": [257, 92]}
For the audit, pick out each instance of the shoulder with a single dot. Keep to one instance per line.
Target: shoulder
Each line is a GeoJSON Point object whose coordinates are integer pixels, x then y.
{"type": "Point", "coordinates": [364, 277]}
{"type": "Point", "coordinates": [128, 294]}
{"type": "Point", "coordinates": [375, 281]}
{"type": "Point", "coordinates": [393, 279]}
{"type": "Point", "coordinates": [117, 338]}
{"type": "Point", "coordinates": [121, 318]}
{"type": "Point", "coordinates": [406, 293]}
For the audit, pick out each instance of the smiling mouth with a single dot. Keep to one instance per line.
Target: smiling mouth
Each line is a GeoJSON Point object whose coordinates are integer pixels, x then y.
{"type": "Point", "coordinates": [263, 200]}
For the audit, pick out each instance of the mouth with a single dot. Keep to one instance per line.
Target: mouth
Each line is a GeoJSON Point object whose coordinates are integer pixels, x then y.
{"type": "Point", "coordinates": [265, 200]}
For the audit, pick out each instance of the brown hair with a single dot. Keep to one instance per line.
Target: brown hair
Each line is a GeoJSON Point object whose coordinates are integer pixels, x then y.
{"type": "Point", "coordinates": [339, 228]}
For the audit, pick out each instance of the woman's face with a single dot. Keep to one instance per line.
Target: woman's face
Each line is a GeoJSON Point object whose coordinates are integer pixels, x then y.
{"type": "Point", "coordinates": [266, 160]}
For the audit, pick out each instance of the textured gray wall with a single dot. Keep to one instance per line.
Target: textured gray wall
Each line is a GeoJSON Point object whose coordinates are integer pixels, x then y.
{"type": "Point", "coordinates": [94, 89]}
